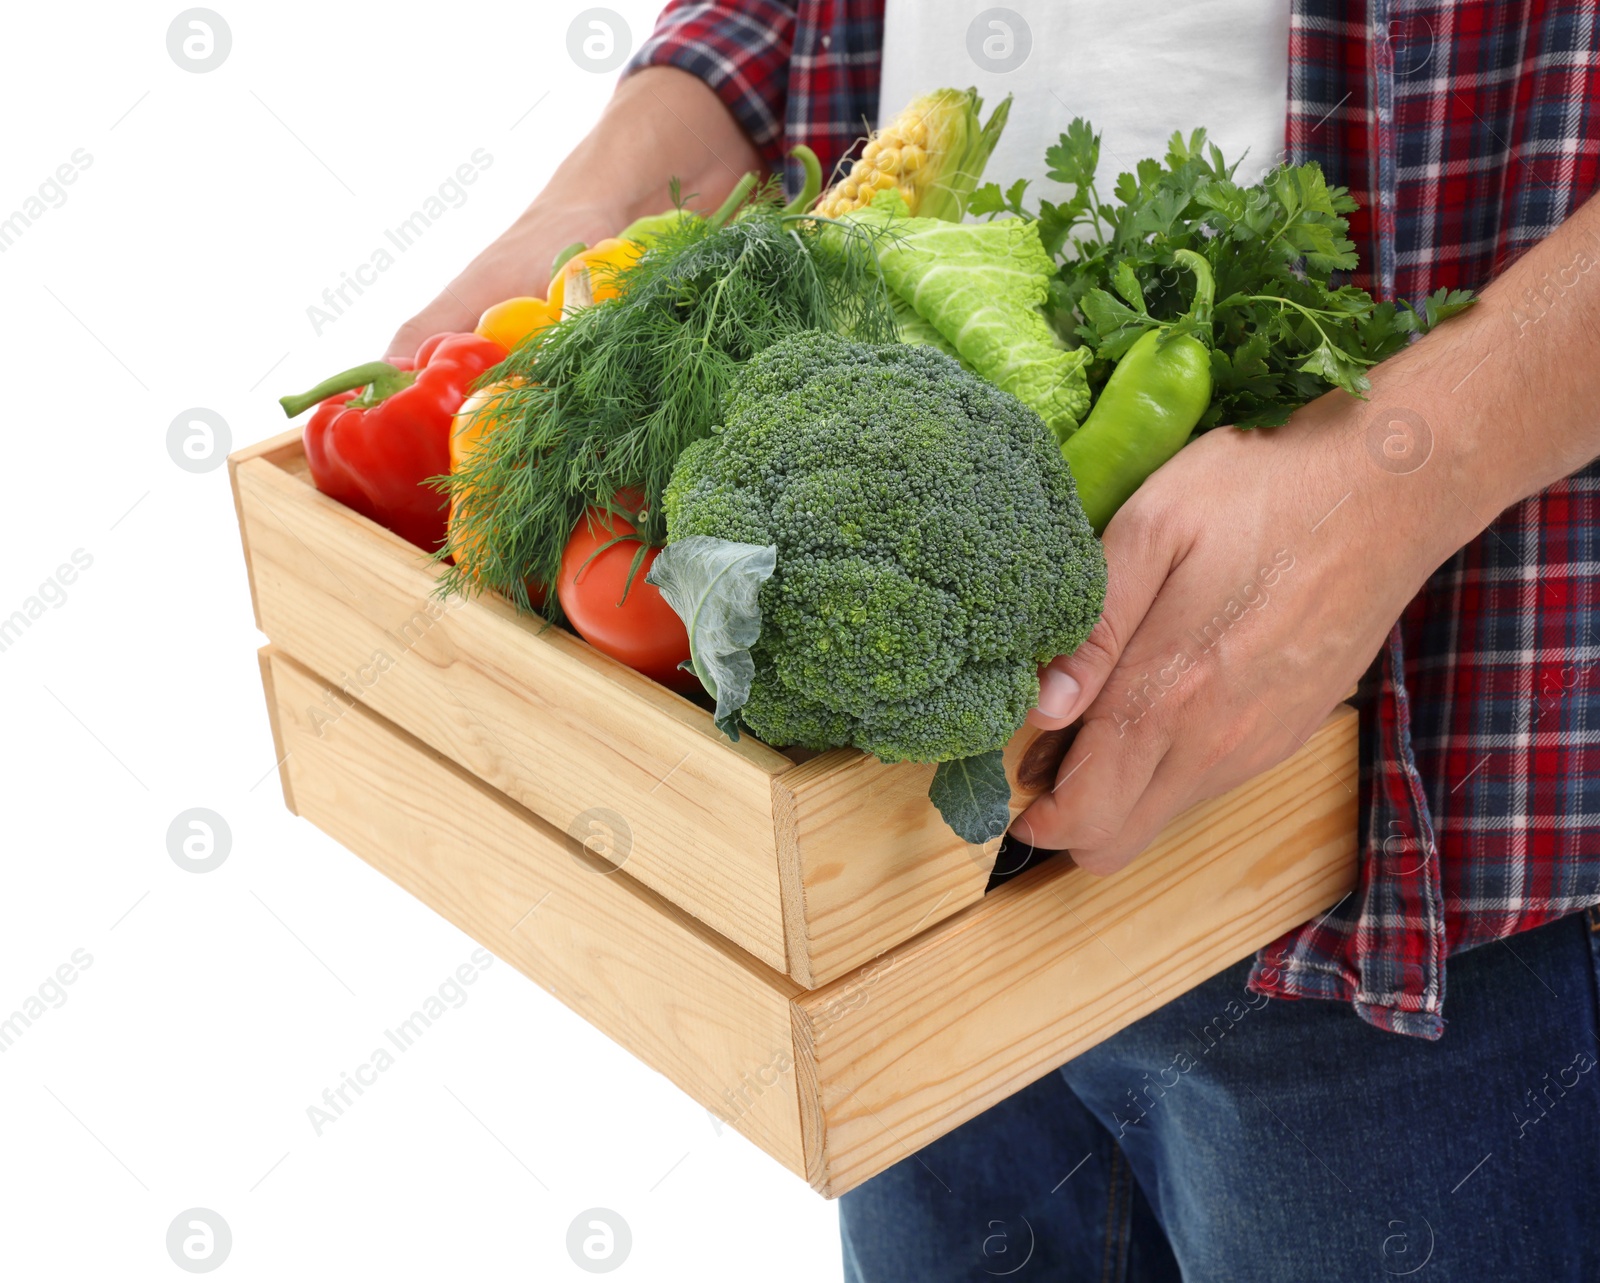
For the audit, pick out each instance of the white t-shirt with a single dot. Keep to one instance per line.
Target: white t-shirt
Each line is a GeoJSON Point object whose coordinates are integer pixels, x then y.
{"type": "Point", "coordinates": [1137, 69]}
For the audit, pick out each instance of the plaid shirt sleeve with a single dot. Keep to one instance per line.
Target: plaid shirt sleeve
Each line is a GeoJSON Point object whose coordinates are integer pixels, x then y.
{"type": "Point", "coordinates": [741, 49]}
{"type": "Point", "coordinates": [790, 71]}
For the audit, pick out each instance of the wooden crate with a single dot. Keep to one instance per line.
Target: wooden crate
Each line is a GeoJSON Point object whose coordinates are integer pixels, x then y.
{"type": "Point", "coordinates": [804, 948]}
{"type": "Point", "coordinates": [813, 868]}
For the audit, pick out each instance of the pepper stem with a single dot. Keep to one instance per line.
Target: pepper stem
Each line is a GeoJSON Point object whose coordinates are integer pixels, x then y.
{"type": "Point", "coordinates": [1205, 286]}
{"type": "Point", "coordinates": [812, 187]}
{"type": "Point", "coordinates": [379, 378]}
{"type": "Point", "coordinates": [571, 251]}
{"type": "Point", "coordinates": [736, 197]}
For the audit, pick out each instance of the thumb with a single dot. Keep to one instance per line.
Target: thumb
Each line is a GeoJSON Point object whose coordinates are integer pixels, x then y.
{"type": "Point", "coordinates": [1137, 565]}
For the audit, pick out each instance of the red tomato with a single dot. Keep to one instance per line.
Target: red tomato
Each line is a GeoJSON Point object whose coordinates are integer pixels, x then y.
{"type": "Point", "coordinates": [643, 632]}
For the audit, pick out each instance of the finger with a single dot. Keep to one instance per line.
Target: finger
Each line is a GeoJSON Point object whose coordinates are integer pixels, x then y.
{"type": "Point", "coordinates": [1138, 562]}
{"type": "Point", "coordinates": [1098, 785]}
{"type": "Point", "coordinates": [1169, 792]}
{"type": "Point", "coordinates": [449, 313]}
{"type": "Point", "coordinates": [1201, 756]}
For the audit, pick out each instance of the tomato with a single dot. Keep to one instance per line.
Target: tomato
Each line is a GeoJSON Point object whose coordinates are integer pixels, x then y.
{"type": "Point", "coordinates": [643, 631]}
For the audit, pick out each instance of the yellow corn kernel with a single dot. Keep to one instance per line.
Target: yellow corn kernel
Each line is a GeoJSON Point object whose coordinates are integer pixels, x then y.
{"type": "Point", "coordinates": [889, 160]}
{"type": "Point", "coordinates": [871, 150]}
{"type": "Point", "coordinates": [911, 158]}
{"type": "Point", "coordinates": [882, 182]}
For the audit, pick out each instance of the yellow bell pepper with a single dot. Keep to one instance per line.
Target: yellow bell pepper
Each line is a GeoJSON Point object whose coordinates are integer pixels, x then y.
{"type": "Point", "coordinates": [590, 277]}
{"type": "Point", "coordinates": [508, 323]}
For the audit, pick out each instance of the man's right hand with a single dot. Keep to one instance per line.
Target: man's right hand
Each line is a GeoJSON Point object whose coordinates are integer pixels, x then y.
{"type": "Point", "coordinates": [660, 124]}
{"type": "Point", "coordinates": [514, 265]}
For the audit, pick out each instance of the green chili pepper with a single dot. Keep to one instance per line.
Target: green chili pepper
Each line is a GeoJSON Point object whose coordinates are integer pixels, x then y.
{"type": "Point", "coordinates": [1147, 409]}
{"type": "Point", "coordinates": [643, 231]}
{"type": "Point", "coordinates": [811, 187]}
{"type": "Point", "coordinates": [560, 260]}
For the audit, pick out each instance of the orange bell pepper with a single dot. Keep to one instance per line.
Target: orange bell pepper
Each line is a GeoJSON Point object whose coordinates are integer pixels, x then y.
{"type": "Point", "coordinates": [591, 276]}
{"type": "Point", "coordinates": [473, 422]}
{"type": "Point", "coordinates": [467, 430]}
{"type": "Point", "coordinates": [508, 323]}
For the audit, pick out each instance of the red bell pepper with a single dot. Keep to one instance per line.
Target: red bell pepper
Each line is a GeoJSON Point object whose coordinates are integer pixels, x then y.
{"type": "Point", "coordinates": [382, 429]}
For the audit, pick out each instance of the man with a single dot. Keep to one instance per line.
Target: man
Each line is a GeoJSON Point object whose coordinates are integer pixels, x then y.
{"type": "Point", "coordinates": [1441, 539]}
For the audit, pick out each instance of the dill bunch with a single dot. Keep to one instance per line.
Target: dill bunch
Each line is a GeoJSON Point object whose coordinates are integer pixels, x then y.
{"type": "Point", "coordinates": [608, 398]}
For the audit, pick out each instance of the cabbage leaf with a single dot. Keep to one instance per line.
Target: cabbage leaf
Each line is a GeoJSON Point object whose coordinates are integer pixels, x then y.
{"type": "Point", "coordinates": [981, 286]}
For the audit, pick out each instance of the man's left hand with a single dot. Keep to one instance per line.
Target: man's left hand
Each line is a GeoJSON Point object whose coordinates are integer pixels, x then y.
{"type": "Point", "coordinates": [1253, 578]}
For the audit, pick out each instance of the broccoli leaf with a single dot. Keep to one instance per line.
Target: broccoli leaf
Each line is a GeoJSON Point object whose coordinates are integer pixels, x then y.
{"type": "Point", "coordinates": [973, 795]}
{"type": "Point", "coordinates": [714, 585]}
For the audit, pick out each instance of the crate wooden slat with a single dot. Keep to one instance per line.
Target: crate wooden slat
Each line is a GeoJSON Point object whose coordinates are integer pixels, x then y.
{"type": "Point", "coordinates": [855, 892]}
{"type": "Point", "coordinates": [840, 1081]}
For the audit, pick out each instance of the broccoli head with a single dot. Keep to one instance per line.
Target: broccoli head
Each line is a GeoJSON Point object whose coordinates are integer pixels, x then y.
{"type": "Point", "coordinates": [931, 550]}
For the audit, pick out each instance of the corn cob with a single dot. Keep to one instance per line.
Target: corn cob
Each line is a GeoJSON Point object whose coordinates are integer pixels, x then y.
{"type": "Point", "coordinates": [934, 151]}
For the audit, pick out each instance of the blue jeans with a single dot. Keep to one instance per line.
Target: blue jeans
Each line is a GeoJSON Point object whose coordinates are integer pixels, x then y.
{"type": "Point", "coordinates": [1228, 1138]}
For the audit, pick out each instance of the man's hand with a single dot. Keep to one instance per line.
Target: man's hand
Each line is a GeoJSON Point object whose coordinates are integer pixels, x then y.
{"type": "Point", "coordinates": [515, 265]}
{"type": "Point", "coordinates": [661, 124]}
{"type": "Point", "coordinates": [1252, 580]}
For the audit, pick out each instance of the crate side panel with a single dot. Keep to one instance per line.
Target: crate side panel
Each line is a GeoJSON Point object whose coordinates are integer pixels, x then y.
{"type": "Point", "coordinates": [284, 444]}
{"type": "Point", "coordinates": [650, 977]}
{"type": "Point", "coordinates": [871, 858]}
{"type": "Point", "coordinates": [280, 755]}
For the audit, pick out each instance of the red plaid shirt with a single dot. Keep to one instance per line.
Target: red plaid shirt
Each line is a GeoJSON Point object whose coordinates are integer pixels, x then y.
{"type": "Point", "coordinates": [1468, 131]}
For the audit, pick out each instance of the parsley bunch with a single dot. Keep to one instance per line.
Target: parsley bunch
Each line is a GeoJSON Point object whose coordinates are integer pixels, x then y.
{"type": "Point", "coordinates": [1282, 332]}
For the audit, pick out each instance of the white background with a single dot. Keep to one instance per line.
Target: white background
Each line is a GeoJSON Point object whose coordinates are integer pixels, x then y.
{"type": "Point", "coordinates": [177, 273]}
